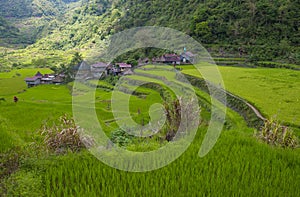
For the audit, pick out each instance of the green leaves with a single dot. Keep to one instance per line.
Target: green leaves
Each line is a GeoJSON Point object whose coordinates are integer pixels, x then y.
{"type": "Point", "coordinates": [274, 133]}
{"type": "Point", "coordinates": [121, 138]}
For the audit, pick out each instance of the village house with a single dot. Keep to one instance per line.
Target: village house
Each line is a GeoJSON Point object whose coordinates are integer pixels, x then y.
{"type": "Point", "coordinates": [35, 80]}
{"type": "Point", "coordinates": [99, 69]}
{"type": "Point", "coordinates": [123, 66]}
{"type": "Point", "coordinates": [39, 78]}
{"type": "Point", "coordinates": [119, 69]}
{"type": "Point", "coordinates": [144, 61]}
{"type": "Point", "coordinates": [47, 79]}
{"type": "Point", "coordinates": [187, 57]}
{"type": "Point", "coordinates": [58, 80]}
{"type": "Point", "coordinates": [82, 71]}
{"type": "Point", "coordinates": [173, 59]}
{"type": "Point", "coordinates": [32, 81]}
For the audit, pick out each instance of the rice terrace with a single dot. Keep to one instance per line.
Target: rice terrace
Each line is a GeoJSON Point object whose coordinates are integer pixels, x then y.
{"type": "Point", "coordinates": [74, 124]}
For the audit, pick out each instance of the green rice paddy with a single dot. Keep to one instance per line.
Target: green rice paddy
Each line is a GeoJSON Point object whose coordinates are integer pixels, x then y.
{"type": "Point", "coordinates": [238, 165]}
{"type": "Point", "coordinates": [275, 92]}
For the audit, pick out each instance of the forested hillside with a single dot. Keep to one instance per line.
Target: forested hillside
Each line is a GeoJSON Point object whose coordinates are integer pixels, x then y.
{"type": "Point", "coordinates": [264, 30]}
{"type": "Point", "coordinates": [7, 30]}
{"type": "Point", "coordinates": [31, 19]}
{"type": "Point", "coordinates": [84, 27]}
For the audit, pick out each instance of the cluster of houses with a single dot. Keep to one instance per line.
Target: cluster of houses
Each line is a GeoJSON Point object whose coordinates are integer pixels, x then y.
{"type": "Point", "coordinates": [84, 71]}
{"type": "Point", "coordinates": [100, 69]}
{"type": "Point", "coordinates": [39, 78]}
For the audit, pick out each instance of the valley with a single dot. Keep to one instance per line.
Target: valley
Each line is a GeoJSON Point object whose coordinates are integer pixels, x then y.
{"type": "Point", "coordinates": [73, 124]}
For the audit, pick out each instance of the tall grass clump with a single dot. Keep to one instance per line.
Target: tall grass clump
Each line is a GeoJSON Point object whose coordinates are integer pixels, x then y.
{"type": "Point", "coordinates": [64, 136]}
{"type": "Point", "coordinates": [173, 115]}
{"type": "Point", "coordinates": [273, 133]}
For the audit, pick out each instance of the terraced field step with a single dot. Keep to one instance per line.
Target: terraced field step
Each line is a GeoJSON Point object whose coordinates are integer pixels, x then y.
{"type": "Point", "coordinates": [232, 62]}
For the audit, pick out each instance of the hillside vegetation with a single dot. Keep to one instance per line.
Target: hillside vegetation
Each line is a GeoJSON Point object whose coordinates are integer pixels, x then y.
{"type": "Point", "coordinates": [263, 29]}
{"type": "Point", "coordinates": [41, 151]}
{"type": "Point", "coordinates": [7, 30]}
{"type": "Point", "coordinates": [31, 19]}
{"type": "Point", "coordinates": [260, 29]}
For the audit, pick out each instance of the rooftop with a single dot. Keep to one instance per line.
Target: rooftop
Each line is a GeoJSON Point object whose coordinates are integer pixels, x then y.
{"type": "Point", "coordinates": [32, 78]}
{"type": "Point", "coordinates": [124, 65]}
{"type": "Point", "coordinates": [100, 65]}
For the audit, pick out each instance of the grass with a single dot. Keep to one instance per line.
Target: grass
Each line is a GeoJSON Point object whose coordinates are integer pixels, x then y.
{"type": "Point", "coordinates": [237, 165]}
{"type": "Point", "coordinates": [13, 82]}
{"type": "Point", "coordinates": [274, 91]}
{"type": "Point", "coordinates": [101, 83]}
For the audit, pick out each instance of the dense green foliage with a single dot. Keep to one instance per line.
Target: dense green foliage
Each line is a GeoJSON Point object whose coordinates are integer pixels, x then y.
{"type": "Point", "coordinates": [32, 19]}
{"type": "Point", "coordinates": [262, 29]}
{"type": "Point", "coordinates": [7, 30]}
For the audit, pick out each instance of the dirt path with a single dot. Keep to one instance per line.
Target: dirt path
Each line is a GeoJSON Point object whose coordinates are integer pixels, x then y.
{"type": "Point", "coordinates": [254, 109]}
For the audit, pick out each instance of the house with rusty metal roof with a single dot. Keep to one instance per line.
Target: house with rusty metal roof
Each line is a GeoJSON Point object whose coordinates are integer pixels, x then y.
{"type": "Point", "coordinates": [167, 59]}
{"type": "Point", "coordinates": [35, 80]}
{"type": "Point", "coordinates": [99, 69]}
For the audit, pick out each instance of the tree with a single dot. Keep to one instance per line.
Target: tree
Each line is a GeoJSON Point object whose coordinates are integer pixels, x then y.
{"type": "Point", "coordinates": [203, 30]}
{"type": "Point", "coordinates": [70, 71]}
{"type": "Point", "coordinates": [54, 69]}
{"type": "Point", "coordinates": [77, 59]}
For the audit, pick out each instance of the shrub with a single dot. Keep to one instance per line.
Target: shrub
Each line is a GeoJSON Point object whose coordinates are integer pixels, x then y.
{"type": "Point", "coordinates": [9, 161]}
{"type": "Point", "coordinates": [112, 80]}
{"type": "Point", "coordinates": [180, 111]}
{"type": "Point", "coordinates": [121, 137]}
{"type": "Point", "coordinates": [64, 136]}
{"type": "Point", "coordinates": [272, 132]}
{"type": "Point", "coordinates": [173, 115]}
{"type": "Point", "coordinates": [23, 183]}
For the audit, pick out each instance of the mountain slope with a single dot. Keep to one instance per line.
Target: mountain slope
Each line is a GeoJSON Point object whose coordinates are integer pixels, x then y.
{"type": "Point", "coordinates": [263, 30]}
{"type": "Point", "coordinates": [7, 30]}
{"type": "Point", "coordinates": [83, 27]}
{"type": "Point", "coordinates": [32, 18]}
{"type": "Point", "coordinates": [270, 28]}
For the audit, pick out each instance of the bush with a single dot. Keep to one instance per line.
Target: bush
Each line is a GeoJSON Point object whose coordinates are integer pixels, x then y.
{"type": "Point", "coordinates": [64, 136]}
{"type": "Point", "coordinates": [121, 137]}
{"type": "Point", "coordinates": [112, 80]}
{"type": "Point", "coordinates": [9, 161]}
{"type": "Point", "coordinates": [23, 183]}
{"type": "Point", "coordinates": [273, 133]}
